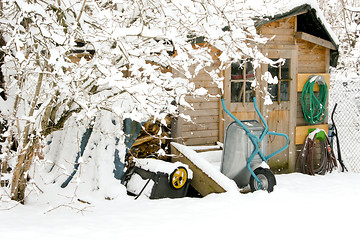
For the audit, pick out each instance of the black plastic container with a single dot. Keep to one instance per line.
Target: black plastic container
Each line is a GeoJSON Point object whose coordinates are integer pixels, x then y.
{"type": "Point", "coordinates": [163, 186]}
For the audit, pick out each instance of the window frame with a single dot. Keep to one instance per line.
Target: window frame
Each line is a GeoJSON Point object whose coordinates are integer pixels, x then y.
{"type": "Point", "coordinates": [280, 81]}
{"type": "Point", "coordinates": [245, 97]}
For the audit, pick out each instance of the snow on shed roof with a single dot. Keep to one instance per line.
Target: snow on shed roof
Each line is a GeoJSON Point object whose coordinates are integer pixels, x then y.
{"type": "Point", "coordinates": [298, 7]}
{"type": "Point", "coordinates": [310, 20]}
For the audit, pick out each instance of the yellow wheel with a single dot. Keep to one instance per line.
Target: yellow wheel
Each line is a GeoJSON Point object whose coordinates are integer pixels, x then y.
{"type": "Point", "coordinates": [178, 178]}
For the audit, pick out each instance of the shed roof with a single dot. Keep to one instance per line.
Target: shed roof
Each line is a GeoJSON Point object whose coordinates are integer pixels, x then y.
{"type": "Point", "coordinates": [310, 20]}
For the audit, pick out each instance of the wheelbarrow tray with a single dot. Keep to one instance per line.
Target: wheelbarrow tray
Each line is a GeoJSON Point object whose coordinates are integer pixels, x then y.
{"type": "Point", "coordinates": [237, 150]}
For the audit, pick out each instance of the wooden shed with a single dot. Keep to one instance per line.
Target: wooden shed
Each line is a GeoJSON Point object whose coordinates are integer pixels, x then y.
{"type": "Point", "coordinates": [305, 41]}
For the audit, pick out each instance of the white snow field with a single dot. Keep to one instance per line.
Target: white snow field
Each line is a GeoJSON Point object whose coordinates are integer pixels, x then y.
{"type": "Point", "coordinates": [301, 207]}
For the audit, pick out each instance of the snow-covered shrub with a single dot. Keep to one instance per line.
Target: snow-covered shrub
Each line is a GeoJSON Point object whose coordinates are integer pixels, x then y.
{"type": "Point", "coordinates": [72, 64]}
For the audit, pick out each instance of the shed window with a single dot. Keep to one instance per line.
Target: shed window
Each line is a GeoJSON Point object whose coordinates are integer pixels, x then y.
{"type": "Point", "coordinates": [242, 74]}
{"type": "Point", "coordinates": [280, 91]}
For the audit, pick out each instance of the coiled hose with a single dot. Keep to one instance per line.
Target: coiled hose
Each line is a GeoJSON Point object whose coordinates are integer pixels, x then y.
{"type": "Point", "coordinates": [314, 106]}
{"type": "Point", "coordinates": [305, 162]}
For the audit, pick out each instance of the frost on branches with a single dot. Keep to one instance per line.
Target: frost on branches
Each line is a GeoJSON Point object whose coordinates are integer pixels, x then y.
{"type": "Point", "coordinates": [74, 65]}
{"type": "Point", "coordinates": [344, 16]}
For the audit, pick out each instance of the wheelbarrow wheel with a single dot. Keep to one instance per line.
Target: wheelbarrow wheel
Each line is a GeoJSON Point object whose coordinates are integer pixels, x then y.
{"type": "Point", "coordinates": [178, 178]}
{"type": "Point", "coordinates": [266, 178]}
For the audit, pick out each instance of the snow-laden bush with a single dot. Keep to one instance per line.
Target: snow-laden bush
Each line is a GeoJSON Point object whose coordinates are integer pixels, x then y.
{"type": "Point", "coordinates": [72, 64]}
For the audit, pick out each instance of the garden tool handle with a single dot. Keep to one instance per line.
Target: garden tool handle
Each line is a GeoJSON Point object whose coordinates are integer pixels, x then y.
{"type": "Point", "coordinates": [281, 149]}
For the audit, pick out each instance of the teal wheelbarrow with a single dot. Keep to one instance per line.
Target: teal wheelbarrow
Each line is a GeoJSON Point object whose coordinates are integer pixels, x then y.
{"type": "Point", "coordinates": [244, 158]}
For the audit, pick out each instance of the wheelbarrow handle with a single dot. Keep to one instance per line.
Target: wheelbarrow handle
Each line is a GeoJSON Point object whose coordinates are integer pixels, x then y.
{"type": "Point", "coordinates": [266, 132]}
{"type": "Point", "coordinates": [281, 149]}
{"type": "Point", "coordinates": [266, 127]}
{"type": "Point", "coordinates": [233, 117]}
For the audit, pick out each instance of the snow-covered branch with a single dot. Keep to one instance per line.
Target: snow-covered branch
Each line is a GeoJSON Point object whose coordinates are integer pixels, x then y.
{"type": "Point", "coordinates": [67, 61]}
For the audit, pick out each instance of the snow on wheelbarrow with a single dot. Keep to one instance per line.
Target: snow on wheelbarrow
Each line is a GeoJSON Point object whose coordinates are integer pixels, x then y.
{"type": "Point", "coordinates": [156, 179]}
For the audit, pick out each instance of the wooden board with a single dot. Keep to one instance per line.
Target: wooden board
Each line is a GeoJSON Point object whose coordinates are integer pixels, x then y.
{"type": "Point", "coordinates": [311, 57]}
{"type": "Point", "coordinates": [301, 132]}
{"type": "Point", "coordinates": [280, 32]}
{"type": "Point", "coordinates": [204, 127]}
{"type": "Point", "coordinates": [278, 121]}
{"type": "Point", "coordinates": [315, 40]}
{"type": "Point", "coordinates": [195, 141]}
{"type": "Point", "coordinates": [205, 105]}
{"type": "Point", "coordinates": [204, 184]}
{"type": "Point", "coordinates": [201, 112]}
{"type": "Point", "coordinates": [199, 99]}
{"type": "Point", "coordinates": [302, 78]}
{"type": "Point", "coordinates": [200, 127]}
{"type": "Point", "coordinates": [200, 134]}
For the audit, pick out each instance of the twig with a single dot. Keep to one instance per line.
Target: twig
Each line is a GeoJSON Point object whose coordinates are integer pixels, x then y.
{"type": "Point", "coordinates": [6, 209]}
{"type": "Point", "coordinates": [68, 206]}
{"type": "Point", "coordinates": [81, 11]}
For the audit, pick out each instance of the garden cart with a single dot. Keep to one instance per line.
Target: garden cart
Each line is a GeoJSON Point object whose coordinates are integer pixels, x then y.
{"type": "Point", "coordinates": [244, 156]}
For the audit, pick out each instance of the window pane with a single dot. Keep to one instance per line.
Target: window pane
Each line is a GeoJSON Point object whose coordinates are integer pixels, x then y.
{"type": "Point", "coordinates": [249, 70]}
{"type": "Point", "coordinates": [273, 90]}
{"type": "Point", "coordinates": [248, 92]}
{"type": "Point", "coordinates": [274, 71]}
{"type": "Point", "coordinates": [284, 90]}
{"type": "Point", "coordinates": [237, 71]}
{"type": "Point", "coordinates": [237, 91]}
{"type": "Point", "coordinates": [285, 70]}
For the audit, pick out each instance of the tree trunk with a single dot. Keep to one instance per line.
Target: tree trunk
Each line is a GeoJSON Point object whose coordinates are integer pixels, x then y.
{"type": "Point", "coordinates": [19, 180]}
{"type": "Point", "coordinates": [27, 150]}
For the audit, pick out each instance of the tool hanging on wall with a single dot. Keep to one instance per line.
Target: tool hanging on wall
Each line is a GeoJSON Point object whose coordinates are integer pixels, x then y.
{"type": "Point", "coordinates": [313, 106]}
{"type": "Point", "coordinates": [334, 133]}
{"type": "Point", "coordinates": [306, 163]}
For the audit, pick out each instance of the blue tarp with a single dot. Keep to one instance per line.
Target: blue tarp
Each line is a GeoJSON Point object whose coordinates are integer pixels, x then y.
{"type": "Point", "coordinates": [131, 130]}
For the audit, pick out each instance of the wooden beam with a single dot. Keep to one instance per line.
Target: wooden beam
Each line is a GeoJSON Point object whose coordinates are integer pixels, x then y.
{"type": "Point", "coordinates": [315, 40]}
{"type": "Point", "coordinates": [301, 132]}
{"type": "Point", "coordinates": [327, 60]}
{"type": "Point", "coordinates": [302, 78]}
{"type": "Point", "coordinates": [203, 183]}
{"type": "Point", "coordinates": [292, 109]}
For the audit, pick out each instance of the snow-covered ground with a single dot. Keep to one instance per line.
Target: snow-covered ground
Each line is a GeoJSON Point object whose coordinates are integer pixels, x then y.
{"type": "Point", "coordinates": [301, 207]}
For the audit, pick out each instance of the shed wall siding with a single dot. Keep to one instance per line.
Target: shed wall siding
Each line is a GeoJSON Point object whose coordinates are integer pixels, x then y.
{"type": "Point", "coordinates": [204, 128]}
{"type": "Point", "coordinates": [311, 57]}
{"type": "Point", "coordinates": [280, 32]}
{"type": "Point", "coordinates": [279, 116]}
{"type": "Point", "coordinates": [207, 126]}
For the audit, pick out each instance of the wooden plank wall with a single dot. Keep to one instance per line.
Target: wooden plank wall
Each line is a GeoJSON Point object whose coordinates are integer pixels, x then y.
{"type": "Point", "coordinates": [281, 32]}
{"type": "Point", "coordinates": [204, 128]}
{"type": "Point", "coordinates": [278, 115]}
{"type": "Point", "coordinates": [278, 122]}
{"type": "Point", "coordinates": [311, 59]}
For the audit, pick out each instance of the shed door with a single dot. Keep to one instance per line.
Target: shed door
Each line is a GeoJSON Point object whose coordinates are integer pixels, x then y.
{"type": "Point", "coordinates": [280, 114]}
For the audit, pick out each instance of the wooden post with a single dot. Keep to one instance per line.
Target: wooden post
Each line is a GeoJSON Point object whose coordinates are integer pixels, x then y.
{"type": "Point", "coordinates": [224, 119]}
{"type": "Point", "coordinates": [293, 109]}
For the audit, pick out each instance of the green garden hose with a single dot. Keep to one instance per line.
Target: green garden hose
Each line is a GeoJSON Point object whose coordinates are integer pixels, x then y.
{"type": "Point", "coordinates": [313, 106]}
